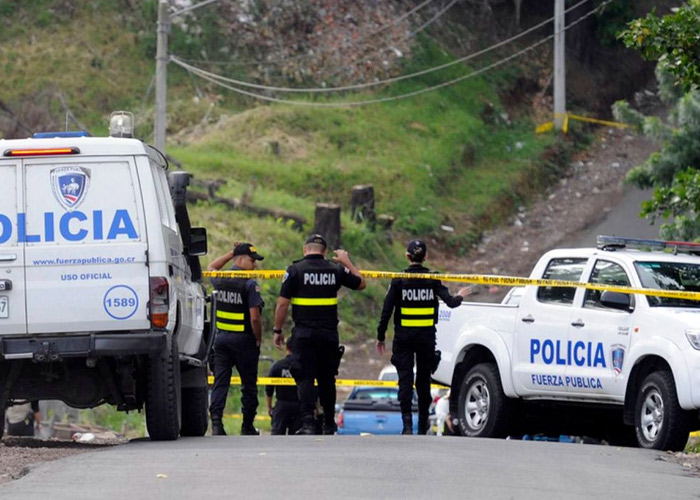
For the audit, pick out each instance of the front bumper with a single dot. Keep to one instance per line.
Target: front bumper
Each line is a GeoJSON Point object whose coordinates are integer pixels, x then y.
{"type": "Point", "coordinates": [56, 348]}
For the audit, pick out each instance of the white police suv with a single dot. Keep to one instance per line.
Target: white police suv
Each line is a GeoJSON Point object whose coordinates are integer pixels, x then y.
{"type": "Point", "coordinates": [100, 293]}
{"type": "Point", "coordinates": [637, 355]}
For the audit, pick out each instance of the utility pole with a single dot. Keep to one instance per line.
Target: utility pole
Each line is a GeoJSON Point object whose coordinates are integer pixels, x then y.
{"type": "Point", "coordinates": [559, 64]}
{"type": "Point", "coordinates": [159, 123]}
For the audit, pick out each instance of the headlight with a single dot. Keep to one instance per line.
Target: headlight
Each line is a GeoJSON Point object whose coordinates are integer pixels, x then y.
{"type": "Point", "coordinates": [693, 337]}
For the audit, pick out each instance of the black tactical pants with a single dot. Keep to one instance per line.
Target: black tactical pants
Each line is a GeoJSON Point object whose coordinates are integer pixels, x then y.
{"type": "Point", "coordinates": [407, 346]}
{"type": "Point", "coordinates": [239, 350]}
{"type": "Point", "coordinates": [315, 357]}
{"type": "Point", "coordinates": [286, 418]}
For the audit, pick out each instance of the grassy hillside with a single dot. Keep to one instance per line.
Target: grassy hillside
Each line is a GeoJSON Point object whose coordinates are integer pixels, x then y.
{"type": "Point", "coordinates": [444, 158]}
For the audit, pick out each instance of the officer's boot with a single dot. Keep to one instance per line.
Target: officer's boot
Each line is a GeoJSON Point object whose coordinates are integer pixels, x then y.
{"type": "Point", "coordinates": [423, 425]}
{"type": "Point", "coordinates": [247, 428]}
{"type": "Point", "coordinates": [329, 425]}
{"type": "Point", "coordinates": [308, 425]}
{"type": "Point", "coordinates": [407, 423]}
{"type": "Point", "coordinates": [217, 427]}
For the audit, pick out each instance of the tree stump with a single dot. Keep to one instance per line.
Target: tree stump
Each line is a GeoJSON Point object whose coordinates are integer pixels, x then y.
{"type": "Point", "coordinates": [385, 223]}
{"type": "Point", "coordinates": [327, 223]}
{"type": "Point", "coordinates": [362, 204]}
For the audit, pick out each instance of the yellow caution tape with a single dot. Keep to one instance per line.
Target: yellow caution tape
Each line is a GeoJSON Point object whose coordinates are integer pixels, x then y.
{"type": "Point", "coordinates": [239, 416]}
{"type": "Point", "coordinates": [480, 280]}
{"type": "Point", "coordinates": [548, 126]}
{"type": "Point", "coordinates": [341, 382]}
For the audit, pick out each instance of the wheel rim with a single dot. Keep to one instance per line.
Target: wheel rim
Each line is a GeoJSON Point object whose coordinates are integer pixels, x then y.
{"type": "Point", "coordinates": [477, 404]}
{"type": "Point", "coordinates": [652, 415]}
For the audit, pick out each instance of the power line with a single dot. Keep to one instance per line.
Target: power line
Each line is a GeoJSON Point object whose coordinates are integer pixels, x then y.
{"type": "Point", "coordinates": [383, 99]}
{"type": "Point", "coordinates": [420, 28]}
{"type": "Point", "coordinates": [402, 96]}
{"type": "Point", "coordinates": [386, 81]}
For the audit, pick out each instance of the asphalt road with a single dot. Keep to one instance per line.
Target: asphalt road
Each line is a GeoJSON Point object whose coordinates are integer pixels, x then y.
{"type": "Point", "coordinates": [387, 467]}
{"type": "Point", "coordinates": [623, 220]}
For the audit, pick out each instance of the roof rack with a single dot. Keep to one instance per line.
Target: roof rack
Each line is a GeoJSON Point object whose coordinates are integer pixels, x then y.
{"type": "Point", "coordinates": [613, 243]}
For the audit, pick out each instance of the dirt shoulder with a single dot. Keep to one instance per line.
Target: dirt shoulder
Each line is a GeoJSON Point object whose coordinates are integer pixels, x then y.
{"type": "Point", "coordinates": [19, 454]}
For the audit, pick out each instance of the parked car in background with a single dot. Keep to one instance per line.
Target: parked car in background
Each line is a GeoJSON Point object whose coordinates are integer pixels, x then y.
{"type": "Point", "coordinates": [373, 410]}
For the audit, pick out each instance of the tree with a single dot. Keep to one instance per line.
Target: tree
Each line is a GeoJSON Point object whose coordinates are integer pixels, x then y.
{"type": "Point", "coordinates": [674, 171]}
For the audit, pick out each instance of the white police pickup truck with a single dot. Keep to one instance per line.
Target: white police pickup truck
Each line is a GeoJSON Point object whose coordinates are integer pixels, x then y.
{"type": "Point", "coordinates": [571, 346]}
{"type": "Point", "coordinates": [100, 299]}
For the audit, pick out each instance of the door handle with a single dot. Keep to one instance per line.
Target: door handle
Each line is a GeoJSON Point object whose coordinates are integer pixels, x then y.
{"type": "Point", "coordinates": [578, 323]}
{"type": "Point", "coordinates": [8, 257]}
{"type": "Point", "coordinates": [527, 319]}
{"type": "Point", "coordinates": [5, 285]}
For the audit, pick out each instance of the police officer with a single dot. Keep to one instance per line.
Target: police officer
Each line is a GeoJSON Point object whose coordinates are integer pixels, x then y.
{"type": "Point", "coordinates": [414, 303]}
{"type": "Point", "coordinates": [237, 315]}
{"type": "Point", "coordinates": [311, 286]}
{"type": "Point", "coordinates": [286, 417]}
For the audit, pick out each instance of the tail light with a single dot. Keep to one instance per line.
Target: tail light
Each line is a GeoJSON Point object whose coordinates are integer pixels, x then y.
{"type": "Point", "coordinates": [340, 420]}
{"type": "Point", "coordinates": [160, 301]}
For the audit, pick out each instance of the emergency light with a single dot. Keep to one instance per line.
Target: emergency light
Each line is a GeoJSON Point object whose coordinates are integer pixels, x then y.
{"type": "Point", "coordinates": [121, 124]}
{"type": "Point", "coordinates": [615, 242]}
{"type": "Point", "coordinates": [41, 152]}
{"type": "Point", "coordinates": [62, 135]}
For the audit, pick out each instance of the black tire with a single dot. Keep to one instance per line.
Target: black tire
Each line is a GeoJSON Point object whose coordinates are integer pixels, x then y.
{"type": "Point", "coordinates": [659, 421]}
{"type": "Point", "coordinates": [194, 411]}
{"type": "Point", "coordinates": [2, 422]}
{"type": "Point", "coordinates": [163, 403]}
{"type": "Point", "coordinates": [484, 410]}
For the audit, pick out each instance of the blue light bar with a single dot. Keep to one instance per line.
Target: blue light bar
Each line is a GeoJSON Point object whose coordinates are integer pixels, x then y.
{"type": "Point", "coordinates": [51, 135]}
{"type": "Point", "coordinates": [613, 242]}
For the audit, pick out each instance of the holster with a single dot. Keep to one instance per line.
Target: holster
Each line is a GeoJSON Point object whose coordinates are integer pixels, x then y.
{"type": "Point", "coordinates": [437, 356]}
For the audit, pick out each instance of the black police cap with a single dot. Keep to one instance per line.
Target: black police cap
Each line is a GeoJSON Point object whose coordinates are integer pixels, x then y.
{"type": "Point", "coordinates": [417, 249]}
{"type": "Point", "coordinates": [317, 239]}
{"type": "Point", "coordinates": [247, 249]}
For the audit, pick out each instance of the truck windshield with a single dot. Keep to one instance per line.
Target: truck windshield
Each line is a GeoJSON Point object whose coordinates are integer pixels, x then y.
{"type": "Point", "coordinates": [670, 276]}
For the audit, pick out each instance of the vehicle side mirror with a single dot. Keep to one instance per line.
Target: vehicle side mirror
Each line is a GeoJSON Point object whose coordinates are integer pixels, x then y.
{"type": "Point", "coordinates": [198, 242]}
{"type": "Point", "coordinates": [616, 300]}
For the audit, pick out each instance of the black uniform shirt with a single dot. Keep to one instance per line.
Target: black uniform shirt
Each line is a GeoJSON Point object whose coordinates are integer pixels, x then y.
{"type": "Point", "coordinates": [292, 284]}
{"type": "Point", "coordinates": [284, 392]}
{"type": "Point", "coordinates": [393, 297]}
{"type": "Point", "coordinates": [251, 288]}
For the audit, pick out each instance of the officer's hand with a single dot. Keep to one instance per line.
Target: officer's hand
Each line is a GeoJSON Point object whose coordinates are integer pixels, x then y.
{"type": "Point", "coordinates": [342, 257]}
{"type": "Point", "coordinates": [381, 347]}
{"type": "Point", "coordinates": [465, 291]}
{"type": "Point", "coordinates": [269, 411]}
{"type": "Point", "coordinates": [279, 341]}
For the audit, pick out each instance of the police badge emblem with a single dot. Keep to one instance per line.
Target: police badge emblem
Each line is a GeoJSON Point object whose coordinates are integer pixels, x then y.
{"type": "Point", "coordinates": [69, 185]}
{"type": "Point", "coordinates": [618, 357]}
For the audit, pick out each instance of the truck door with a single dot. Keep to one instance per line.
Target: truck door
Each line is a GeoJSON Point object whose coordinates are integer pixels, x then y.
{"type": "Point", "coordinates": [599, 338]}
{"type": "Point", "coordinates": [541, 331]}
{"type": "Point", "coordinates": [85, 245]}
{"type": "Point", "coordinates": [13, 310]}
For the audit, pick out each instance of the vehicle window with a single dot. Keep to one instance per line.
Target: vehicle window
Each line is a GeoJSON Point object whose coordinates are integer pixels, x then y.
{"type": "Point", "coordinates": [564, 270]}
{"type": "Point", "coordinates": [167, 215]}
{"type": "Point", "coordinates": [604, 273]}
{"type": "Point", "coordinates": [377, 394]}
{"type": "Point", "coordinates": [680, 276]}
{"type": "Point", "coordinates": [514, 296]}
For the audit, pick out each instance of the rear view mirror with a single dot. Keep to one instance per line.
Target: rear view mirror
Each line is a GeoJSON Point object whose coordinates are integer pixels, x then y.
{"type": "Point", "coordinates": [616, 300]}
{"type": "Point", "coordinates": [198, 242]}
